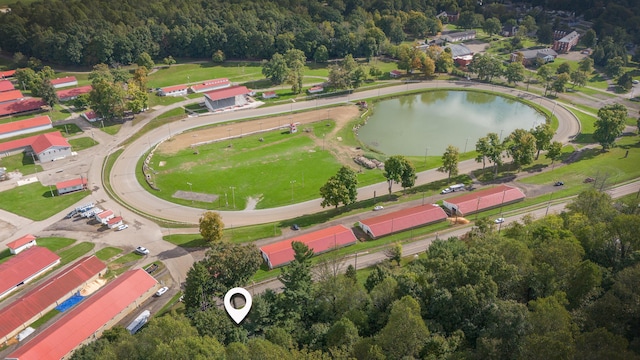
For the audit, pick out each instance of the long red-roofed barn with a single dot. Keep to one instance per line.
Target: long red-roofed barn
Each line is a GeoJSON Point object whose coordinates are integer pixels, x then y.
{"type": "Point", "coordinates": [402, 220]}
{"type": "Point", "coordinates": [43, 298]}
{"type": "Point", "coordinates": [7, 74]}
{"type": "Point", "coordinates": [22, 106]}
{"type": "Point", "coordinates": [281, 253]}
{"type": "Point", "coordinates": [10, 96]}
{"type": "Point", "coordinates": [21, 244]}
{"type": "Point", "coordinates": [211, 85]}
{"type": "Point", "coordinates": [24, 267]}
{"type": "Point", "coordinates": [26, 126]}
{"type": "Point", "coordinates": [88, 320]}
{"type": "Point", "coordinates": [175, 90]}
{"type": "Point", "coordinates": [483, 200]}
{"type": "Point", "coordinates": [70, 94]}
{"type": "Point", "coordinates": [64, 82]}
{"type": "Point", "coordinates": [6, 85]}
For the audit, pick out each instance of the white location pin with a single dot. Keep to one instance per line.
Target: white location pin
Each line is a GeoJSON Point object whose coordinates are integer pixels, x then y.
{"type": "Point", "coordinates": [237, 314]}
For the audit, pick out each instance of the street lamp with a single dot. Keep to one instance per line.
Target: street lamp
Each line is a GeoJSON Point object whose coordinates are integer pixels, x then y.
{"type": "Point", "coordinates": [426, 151]}
{"type": "Point", "coordinates": [190, 190]}
{"type": "Point", "coordinates": [233, 195]}
{"type": "Point", "coordinates": [323, 141]}
{"type": "Point", "coordinates": [465, 145]}
{"type": "Point", "coordinates": [292, 182]}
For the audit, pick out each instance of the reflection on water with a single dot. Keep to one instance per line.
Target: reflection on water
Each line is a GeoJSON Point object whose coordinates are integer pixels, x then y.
{"type": "Point", "coordinates": [436, 119]}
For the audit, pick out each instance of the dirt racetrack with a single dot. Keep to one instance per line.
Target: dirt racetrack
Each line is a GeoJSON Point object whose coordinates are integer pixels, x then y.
{"type": "Point", "coordinates": [341, 115]}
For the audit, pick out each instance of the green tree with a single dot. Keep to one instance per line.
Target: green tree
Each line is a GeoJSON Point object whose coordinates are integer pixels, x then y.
{"type": "Point", "coordinates": [140, 77]}
{"type": "Point", "coordinates": [610, 124]}
{"type": "Point", "coordinates": [522, 147]}
{"type": "Point", "coordinates": [625, 81]}
{"type": "Point", "coordinates": [564, 68]}
{"type": "Point", "coordinates": [342, 334]}
{"type": "Point", "coordinates": [551, 332]}
{"type": "Point", "coordinates": [211, 226]}
{"type": "Point", "coordinates": [514, 72]}
{"type": "Point", "coordinates": [321, 55]}
{"type": "Point", "coordinates": [48, 93]}
{"type": "Point", "coordinates": [560, 83]}
{"type": "Point", "coordinates": [358, 77]}
{"type": "Point", "coordinates": [296, 279]}
{"type": "Point", "coordinates": [482, 148]}
{"type": "Point", "coordinates": [428, 66]}
{"type": "Point", "coordinates": [554, 151]}
{"type": "Point", "coordinates": [602, 344]}
{"type": "Point", "coordinates": [529, 22]}
{"type": "Point", "coordinates": [144, 59]}
{"type": "Point", "coordinates": [276, 69]}
{"type": "Point", "coordinates": [198, 288]}
{"type": "Point", "coordinates": [339, 78]}
{"type": "Point", "coordinates": [450, 160]}
{"type": "Point", "coordinates": [295, 76]}
{"type": "Point", "coordinates": [589, 38]}
{"type": "Point", "coordinates": [400, 170]}
{"type": "Point", "coordinates": [107, 98]}
{"type": "Point", "coordinates": [169, 60]}
{"type": "Point", "coordinates": [394, 253]}
{"type": "Point", "coordinates": [25, 77]}
{"type": "Point", "coordinates": [218, 57]}
{"type": "Point", "coordinates": [138, 99]}
{"type": "Point", "coordinates": [545, 73]}
{"type": "Point", "coordinates": [614, 66]}
{"type": "Point", "coordinates": [492, 26]}
{"type": "Point", "coordinates": [341, 188]}
{"type": "Point", "coordinates": [578, 78]}
{"type": "Point", "coordinates": [543, 134]}
{"type": "Point", "coordinates": [215, 323]}
{"type": "Point", "coordinates": [231, 265]}
{"type": "Point", "coordinates": [586, 65]}
{"type": "Point", "coordinates": [494, 154]}
{"type": "Point", "coordinates": [405, 333]}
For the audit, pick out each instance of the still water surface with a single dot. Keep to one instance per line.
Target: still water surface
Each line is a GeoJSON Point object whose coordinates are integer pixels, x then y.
{"type": "Point", "coordinates": [410, 124]}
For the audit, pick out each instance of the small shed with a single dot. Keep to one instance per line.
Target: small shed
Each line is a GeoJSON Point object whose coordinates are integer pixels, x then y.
{"type": "Point", "coordinates": [72, 185]}
{"type": "Point", "coordinates": [269, 95]}
{"type": "Point", "coordinates": [315, 89]}
{"type": "Point", "coordinates": [115, 222]}
{"type": "Point", "coordinates": [105, 216]}
{"type": "Point", "coordinates": [23, 243]}
{"type": "Point", "coordinates": [395, 74]}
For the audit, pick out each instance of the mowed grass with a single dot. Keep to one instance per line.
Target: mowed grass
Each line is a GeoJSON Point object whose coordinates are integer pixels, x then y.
{"type": "Point", "coordinates": [107, 253]}
{"type": "Point", "coordinates": [236, 235]}
{"type": "Point", "coordinates": [587, 127]}
{"type": "Point", "coordinates": [194, 73]}
{"type": "Point", "coordinates": [82, 143]}
{"type": "Point", "coordinates": [74, 252]}
{"type": "Point", "coordinates": [54, 243]}
{"type": "Point", "coordinates": [281, 170]}
{"type": "Point", "coordinates": [34, 201]}
{"type": "Point", "coordinates": [20, 162]}
{"type": "Point", "coordinates": [611, 165]}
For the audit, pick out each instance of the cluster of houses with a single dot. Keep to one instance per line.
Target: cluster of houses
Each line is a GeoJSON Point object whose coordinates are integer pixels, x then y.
{"type": "Point", "coordinates": [281, 253]}
{"type": "Point", "coordinates": [95, 311]}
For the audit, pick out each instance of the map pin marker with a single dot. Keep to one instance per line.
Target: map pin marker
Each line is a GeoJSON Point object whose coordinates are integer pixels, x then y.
{"type": "Point", "coordinates": [237, 314]}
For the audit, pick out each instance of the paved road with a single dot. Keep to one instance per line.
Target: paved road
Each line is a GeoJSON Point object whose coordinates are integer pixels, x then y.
{"type": "Point", "coordinates": [127, 187]}
{"type": "Point", "coordinates": [366, 259]}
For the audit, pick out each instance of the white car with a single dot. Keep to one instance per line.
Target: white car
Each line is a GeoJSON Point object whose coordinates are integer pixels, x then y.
{"type": "Point", "coordinates": [161, 291]}
{"type": "Point", "coordinates": [499, 220]}
{"type": "Point", "coordinates": [122, 227]}
{"type": "Point", "coordinates": [378, 207]}
{"type": "Point", "coordinates": [446, 191]}
{"type": "Point", "coordinates": [142, 250]}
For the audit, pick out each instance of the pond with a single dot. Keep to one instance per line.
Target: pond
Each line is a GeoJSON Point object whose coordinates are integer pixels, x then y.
{"type": "Point", "coordinates": [426, 123]}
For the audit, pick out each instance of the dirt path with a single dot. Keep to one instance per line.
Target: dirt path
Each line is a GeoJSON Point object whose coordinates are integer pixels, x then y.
{"type": "Point", "coordinates": [341, 115]}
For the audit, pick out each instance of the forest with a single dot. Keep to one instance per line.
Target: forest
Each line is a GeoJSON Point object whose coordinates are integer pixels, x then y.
{"type": "Point", "coordinates": [89, 32]}
{"type": "Point", "coordinates": [561, 287]}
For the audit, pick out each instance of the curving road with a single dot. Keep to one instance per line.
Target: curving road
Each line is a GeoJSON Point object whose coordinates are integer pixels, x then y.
{"type": "Point", "coordinates": [126, 186]}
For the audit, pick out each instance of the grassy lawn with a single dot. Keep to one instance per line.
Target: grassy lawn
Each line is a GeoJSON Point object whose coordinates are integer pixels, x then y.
{"type": "Point", "coordinates": [164, 100]}
{"type": "Point", "coordinates": [82, 143]}
{"type": "Point", "coordinates": [107, 253]}
{"type": "Point", "coordinates": [186, 240]}
{"type": "Point", "coordinates": [55, 243]}
{"type": "Point", "coordinates": [5, 255]}
{"type": "Point", "coordinates": [46, 317]}
{"type": "Point", "coordinates": [130, 257]}
{"type": "Point", "coordinates": [108, 127]}
{"type": "Point", "coordinates": [611, 165]}
{"type": "Point", "coordinates": [587, 125]}
{"type": "Point", "coordinates": [34, 201]}
{"type": "Point", "coordinates": [282, 169]}
{"type": "Point", "coordinates": [194, 73]}
{"type": "Point", "coordinates": [68, 129]}
{"type": "Point", "coordinates": [596, 93]}
{"type": "Point", "coordinates": [72, 253]}
{"type": "Point", "coordinates": [236, 235]}
{"type": "Point", "coordinates": [20, 162]}
{"type": "Point", "coordinates": [179, 112]}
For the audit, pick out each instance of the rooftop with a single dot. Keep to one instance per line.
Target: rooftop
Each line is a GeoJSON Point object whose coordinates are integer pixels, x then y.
{"type": "Point", "coordinates": [64, 80]}
{"type": "Point", "coordinates": [169, 89]}
{"type": "Point", "coordinates": [24, 124]}
{"type": "Point", "coordinates": [6, 85]}
{"type": "Point", "coordinates": [38, 143]}
{"type": "Point", "coordinates": [24, 265]}
{"type": "Point", "coordinates": [485, 199]}
{"type": "Point", "coordinates": [404, 219]}
{"type": "Point", "coordinates": [11, 95]}
{"type": "Point", "coordinates": [71, 183]}
{"type": "Point", "coordinates": [21, 241]}
{"type": "Point", "coordinates": [15, 107]}
{"type": "Point", "coordinates": [85, 319]}
{"type": "Point", "coordinates": [69, 93]}
{"type": "Point", "coordinates": [226, 93]}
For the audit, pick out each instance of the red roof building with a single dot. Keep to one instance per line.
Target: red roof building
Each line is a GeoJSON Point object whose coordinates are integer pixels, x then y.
{"type": "Point", "coordinates": [395, 73]}
{"type": "Point", "coordinates": [210, 85]}
{"type": "Point", "coordinates": [38, 301]}
{"type": "Point", "coordinates": [115, 222]}
{"type": "Point", "coordinates": [176, 90]}
{"type": "Point", "coordinates": [70, 94]}
{"type": "Point", "coordinates": [16, 107]}
{"type": "Point", "coordinates": [7, 74]}
{"type": "Point", "coordinates": [483, 200]}
{"type": "Point", "coordinates": [10, 96]}
{"type": "Point", "coordinates": [48, 147]}
{"type": "Point", "coordinates": [269, 94]}
{"type": "Point", "coordinates": [315, 90]}
{"type": "Point", "coordinates": [6, 85]}
{"type": "Point", "coordinates": [23, 243]}
{"type": "Point", "coordinates": [64, 82]}
{"type": "Point", "coordinates": [281, 253]}
{"type": "Point", "coordinates": [90, 318]}
{"type": "Point", "coordinates": [25, 266]}
{"type": "Point", "coordinates": [69, 186]}
{"type": "Point", "coordinates": [105, 216]}
{"type": "Point", "coordinates": [91, 116]}
{"type": "Point", "coordinates": [26, 126]}
{"type": "Point", "coordinates": [229, 98]}
{"type": "Point", "coordinates": [402, 220]}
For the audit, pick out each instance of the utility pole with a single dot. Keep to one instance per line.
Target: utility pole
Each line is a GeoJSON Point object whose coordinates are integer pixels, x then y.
{"type": "Point", "coordinates": [233, 195]}
{"type": "Point", "coordinates": [292, 182]}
